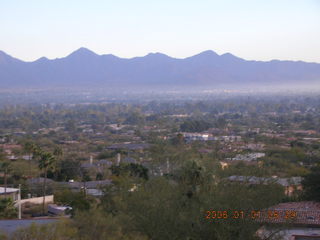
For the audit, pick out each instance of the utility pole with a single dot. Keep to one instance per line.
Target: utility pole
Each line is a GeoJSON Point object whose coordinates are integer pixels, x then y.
{"type": "Point", "coordinates": [19, 202]}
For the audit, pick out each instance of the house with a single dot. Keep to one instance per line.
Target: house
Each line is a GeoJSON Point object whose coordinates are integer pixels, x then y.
{"type": "Point", "coordinates": [27, 157]}
{"type": "Point", "coordinates": [87, 130]}
{"type": "Point", "coordinates": [35, 186]}
{"type": "Point", "coordinates": [90, 187]}
{"type": "Point", "coordinates": [104, 162]}
{"type": "Point", "coordinates": [12, 193]}
{"type": "Point", "coordinates": [116, 127]}
{"type": "Point", "coordinates": [128, 160]}
{"type": "Point", "coordinates": [205, 150]}
{"type": "Point", "coordinates": [196, 137]}
{"type": "Point", "coordinates": [129, 146]}
{"type": "Point", "coordinates": [290, 184]}
{"type": "Point", "coordinates": [209, 137]}
{"type": "Point", "coordinates": [254, 146]}
{"type": "Point", "coordinates": [247, 157]}
{"type": "Point", "coordinates": [39, 180]}
{"type": "Point", "coordinates": [230, 138]}
{"type": "Point", "coordinates": [291, 221]}
{"type": "Point", "coordinates": [97, 165]}
{"type": "Point", "coordinates": [70, 142]}
{"type": "Point", "coordinates": [10, 148]}
{"type": "Point", "coordinates": [3, 139]}
{"type": "Point", "coordinates": [12, 158]}
{"type": "Point", "coordinates": [304, 132]}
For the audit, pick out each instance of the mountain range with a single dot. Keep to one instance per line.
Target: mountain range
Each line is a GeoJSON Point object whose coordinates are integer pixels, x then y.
{"type": "Point", "coordinates": [84, 68]}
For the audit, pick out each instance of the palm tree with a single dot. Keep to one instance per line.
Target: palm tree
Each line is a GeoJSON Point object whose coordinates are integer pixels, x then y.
{"type": "Point", "coordinates": [46, 162]}
{"type": "Point", "coordinates": [5, 167]}
{"type": "Point", "coordinates": [57, 153]}
{"type": "Point", "coordinates": [30, 148]}
{"type": "Point", "coordinates": [36, 151]}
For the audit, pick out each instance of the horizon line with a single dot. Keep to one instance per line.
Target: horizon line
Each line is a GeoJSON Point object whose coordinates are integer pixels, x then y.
{"type": "Point", "coordinates": [150, 53]}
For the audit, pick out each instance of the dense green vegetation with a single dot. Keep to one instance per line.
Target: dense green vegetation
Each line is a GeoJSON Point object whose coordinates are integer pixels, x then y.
{"type": "Point", "coordinates": [173, 183]}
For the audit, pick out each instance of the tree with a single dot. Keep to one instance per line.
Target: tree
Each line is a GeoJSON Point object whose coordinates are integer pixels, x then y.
{"type": "Point", "coordinates": [221, 122]}
{"type": "Point", "coordinates": [311, 185]}
{"type": "Point", "coordinates": [194, 126]}
{"type": "Point", "coordinates": [32, 150]}
{"type": "Point", "coordinates": [7, 208]}
{"type": "Point", "coordinates": [68, 169]}
{"type": "Point", "coordinates": [61, 230]}
{"type": "Point", "coordinates": [5, 168]}
{"type": "Point", "coordinates": [131, 169]}
{"type": "Point", "coordinates": [98, 225]}
{"type": "Point", "coordinates": [77, 200]}
{"type": "Point", "coordinates": [46, 162]}
{"type": "Point", "coordinates": [175, 207]}
{"type": "Point", "coordinates": [71, 126]}
{"type": "Point", "coordinates": [84, 173]}
{"type": "Point", "coordinates": [29, 148]}
{"type": "Point", "coordinates": [58, 153]}
{"type": "Point", "coordinates": [178, 139]}
{"type": "Point", "coordinates": [134, 118]}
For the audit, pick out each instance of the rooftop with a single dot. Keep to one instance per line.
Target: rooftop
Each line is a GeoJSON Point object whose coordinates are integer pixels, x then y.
{"type": "Point", "coordinates": [306, 213]}
{"type": "Point", "coordinates": [89, 184]}
{"type": "Point", "coordinates": [130, 146]}
{"type": "Point", "coordinates": [8, 190]}
{"type": "Point", "coordinates": [263, 180]}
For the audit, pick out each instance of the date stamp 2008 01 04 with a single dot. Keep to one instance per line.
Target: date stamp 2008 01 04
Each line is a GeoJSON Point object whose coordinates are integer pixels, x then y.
{"type": "Point", "coordinates": [253, 214]}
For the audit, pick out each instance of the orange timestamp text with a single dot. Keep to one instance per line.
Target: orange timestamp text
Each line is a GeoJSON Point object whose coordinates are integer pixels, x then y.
{"type": "Point", "coordinates": [252, 214]}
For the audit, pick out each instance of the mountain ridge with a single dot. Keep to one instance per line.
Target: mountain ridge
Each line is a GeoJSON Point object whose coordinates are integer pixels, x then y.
{"type": "Point", "coordinates": [85, 68]}
{"type": "Point", "coordinates": [83, 49]}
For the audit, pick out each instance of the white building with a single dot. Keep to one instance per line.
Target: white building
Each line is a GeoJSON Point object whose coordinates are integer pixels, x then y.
{"type": "Point", "coordinates": [12, 193]}
{"type": "Point", "coordinates": [247, 157]}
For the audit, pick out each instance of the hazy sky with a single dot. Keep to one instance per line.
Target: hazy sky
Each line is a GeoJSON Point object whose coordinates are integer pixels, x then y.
{"type": "Point", "coordinates": [251, 29]}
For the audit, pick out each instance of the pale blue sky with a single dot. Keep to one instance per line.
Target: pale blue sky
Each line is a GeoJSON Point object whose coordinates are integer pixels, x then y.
{"type": "Point", "coordinates": [252, 29]}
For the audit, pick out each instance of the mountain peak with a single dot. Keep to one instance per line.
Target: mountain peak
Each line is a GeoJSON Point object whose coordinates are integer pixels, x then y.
{"type": "Point", "coordinates": [83, 52]}
{"type": "Point", "coordinates": [209, 51]}
{"type": "Point", "coordinates": [157, 54]}
{"type": "Point", "coordinates": [206, 54]}
{"type": "Point", "coordinates": [230, 56]}
{"type": "Point", "coordinates": [227, 55]}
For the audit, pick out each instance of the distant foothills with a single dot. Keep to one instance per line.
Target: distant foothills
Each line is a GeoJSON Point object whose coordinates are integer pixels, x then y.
{"type": "Point", "coordinates": [84, 68]}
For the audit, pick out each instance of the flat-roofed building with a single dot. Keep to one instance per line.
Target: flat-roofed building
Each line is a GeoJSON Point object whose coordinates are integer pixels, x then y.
{"type": "Point", "coordinates": [12, 193]}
